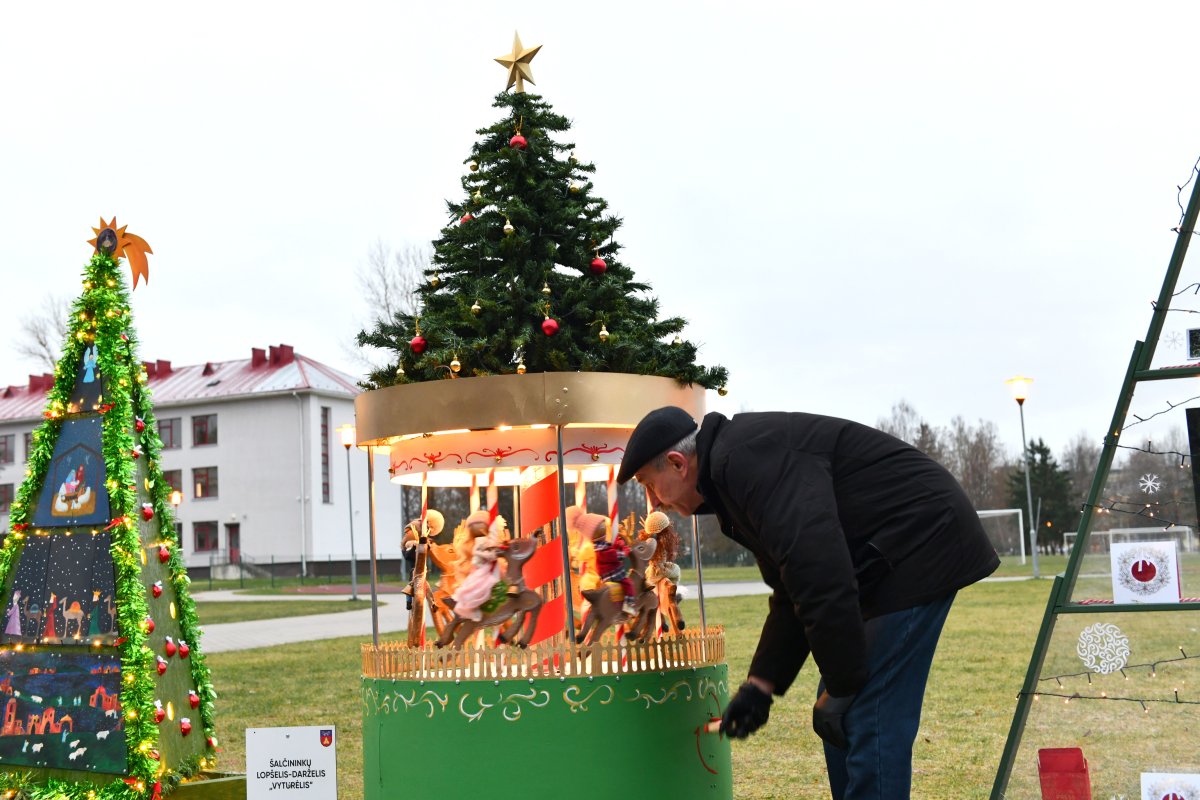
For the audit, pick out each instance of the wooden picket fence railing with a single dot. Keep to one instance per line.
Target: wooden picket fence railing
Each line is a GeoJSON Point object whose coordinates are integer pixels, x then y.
{"type": "Point", "coordinates": [553, 658]}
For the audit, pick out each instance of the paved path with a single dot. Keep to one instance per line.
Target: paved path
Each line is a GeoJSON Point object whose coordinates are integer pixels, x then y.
{"type": "Point", "coordinates": [393, 616]}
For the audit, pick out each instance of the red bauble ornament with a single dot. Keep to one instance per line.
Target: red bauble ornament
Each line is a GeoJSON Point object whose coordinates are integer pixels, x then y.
{"type": "Point", "coordinates": [549, 326]}
{"type": "Point", "coordinates": [136, 452]}
{"type": "Point", "coordinates": [149, 625]}
{"type": "Point", "coordinates": [212, 742]}
{"type": "Point", "coordinates": [153, 754]}
{"type": "Point", "coordinates": [417, 345]}
{"type": "Point", "coordinates": [518, 141]}
{"type": "Point", "coordinates": [193, 700]}
{"type": "Point", "coordinates": [147, 512]}
{"type": "Point", "coordinates": [156, 589]}
{"type": "Point", "coordinates": [184, 649]}
{"type": "Point", "coordinates": [185, 726]}
{"type": "Point", "coordinates": [164, 554]}
{"type": "Point", "coordinates": [139, 425]}
{"type": "Point", "coordinates": [169, 647]}
{"type": "Point", "coordinates": [159, 713]}
{"type": "Point", "coordinates": [162, 665]}
{"type": "Point", "coordinates": [599, 265]}
{"type": "Point", "coordinates": [465, 218]}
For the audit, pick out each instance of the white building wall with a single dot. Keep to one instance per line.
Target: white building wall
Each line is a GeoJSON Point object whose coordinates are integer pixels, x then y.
{"type": "Point", "coordinates": [268, 460]}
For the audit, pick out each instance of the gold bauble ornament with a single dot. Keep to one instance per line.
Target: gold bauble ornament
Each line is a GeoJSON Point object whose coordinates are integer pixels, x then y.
{"type": "Point", "coordinates": [400, 371]}
{"type": "Point", "coordinates": [603, 333]}
{"type": "Point", "coordinates": [546, 289]}
{"type": "Point", "coordinates": [455, 365]}
{"type": "Point", "coordinates": [677, 340]}
{"type": "Point", "coordinates": [575, 187]}
{"type": "Point", "coordinates": [723, 391]}
{"type": "Point", "coordinates": [478, 196]}
{"type": "Point", "coordinates": [572, 158]}
{"type": "Point", "coordinates": [521, 367]}
{"type": "Point", "coordinates": [473, 165]}
{"type": "Point", "coordinates": [435, 280]}
{"type": "Point", "coordinates": [508, 228]}
{"type": "Point", "coordinates": [476, 308]}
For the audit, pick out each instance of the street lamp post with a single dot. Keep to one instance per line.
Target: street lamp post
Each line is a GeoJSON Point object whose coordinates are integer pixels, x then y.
{"type": "Point", "coordinates": [348, 441]}
{"type": "Point", "coordinates": [1020, 390]}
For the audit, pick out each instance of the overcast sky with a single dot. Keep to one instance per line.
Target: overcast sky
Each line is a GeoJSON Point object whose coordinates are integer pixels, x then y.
{"type": "Point", "coordinates": [853, 203]}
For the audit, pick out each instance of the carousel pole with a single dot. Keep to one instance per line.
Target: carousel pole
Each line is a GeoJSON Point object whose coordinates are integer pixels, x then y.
{"type": "Point", "coordinates": [699, 585]}
{"type": "Point", "coordinates": [566, 548]}
{"type": "Point", "coordinates": [371, 517]}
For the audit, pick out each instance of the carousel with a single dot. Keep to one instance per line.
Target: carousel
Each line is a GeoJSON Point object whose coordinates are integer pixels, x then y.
{"type": "Point", "coordinates": [549, 639]}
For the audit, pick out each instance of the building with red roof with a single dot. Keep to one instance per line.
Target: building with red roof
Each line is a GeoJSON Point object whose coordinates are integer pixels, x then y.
{"type": "Point", "coordinates": [254, 450]}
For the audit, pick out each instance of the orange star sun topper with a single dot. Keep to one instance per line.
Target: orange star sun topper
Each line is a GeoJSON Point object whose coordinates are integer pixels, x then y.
{"type": "Point", "coordinates": [116, 242]}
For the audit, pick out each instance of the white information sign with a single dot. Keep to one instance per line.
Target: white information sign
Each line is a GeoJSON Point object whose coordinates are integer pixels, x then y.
{"type": "Point", "coordinates": [291, 763]}
{"type": "Point", "coordinates": [1170, 786]}
{"type": "Point", "coordinates": [1145, 572]}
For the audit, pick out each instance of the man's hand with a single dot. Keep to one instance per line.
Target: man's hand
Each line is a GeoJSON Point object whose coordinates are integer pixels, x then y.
{"type": "Point", "coordinates": [747, 711]}
{"type": "Point", "coordinates": [828, 714]}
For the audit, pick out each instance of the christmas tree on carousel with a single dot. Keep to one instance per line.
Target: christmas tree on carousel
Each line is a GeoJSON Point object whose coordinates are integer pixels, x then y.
{"type": "Point", "coordinates": [105, 692]}
{"type": "Point", "coordinates": [532, 355]}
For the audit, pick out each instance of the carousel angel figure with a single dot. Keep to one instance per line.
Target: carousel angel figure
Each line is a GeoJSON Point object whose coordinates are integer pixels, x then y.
{"type": "Point", "coordinates": [483, 549]}
{"type": "Point", "coordinates": [663, 572]}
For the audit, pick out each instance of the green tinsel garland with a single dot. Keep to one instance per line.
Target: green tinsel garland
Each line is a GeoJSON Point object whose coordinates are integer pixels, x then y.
{"type": "Point", "coordinates": [102, 314]}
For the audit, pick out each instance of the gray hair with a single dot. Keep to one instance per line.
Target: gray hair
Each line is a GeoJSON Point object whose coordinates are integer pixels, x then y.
{"type": "Point", "coordinates": [685, 447]}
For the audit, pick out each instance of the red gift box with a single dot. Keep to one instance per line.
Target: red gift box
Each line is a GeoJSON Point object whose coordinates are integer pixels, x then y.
{"type": "Point", "coordinates": [1064, 774]}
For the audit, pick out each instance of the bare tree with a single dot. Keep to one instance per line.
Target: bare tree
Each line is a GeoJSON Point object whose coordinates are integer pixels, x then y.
{"type": "Point", "coordinates": [43, 331]}
{"type": "Point", "coordinates": [1080, 460]}
{"type": "Point", "coordinates": [387, 283]}
{"type": "Point", "coordinates": [904, 423]}
{"type": "Point", "coordinates": [974, 455]}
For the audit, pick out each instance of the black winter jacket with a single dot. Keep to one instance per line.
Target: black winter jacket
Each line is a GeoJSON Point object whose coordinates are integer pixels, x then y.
{"type": "Point", "coordinates": [846, 522]}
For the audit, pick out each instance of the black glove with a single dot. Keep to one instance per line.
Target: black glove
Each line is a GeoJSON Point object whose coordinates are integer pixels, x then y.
{"type": "Point", "coordinates": [746, 712]}
{"type": "Point", "coordinates": [827, 718]}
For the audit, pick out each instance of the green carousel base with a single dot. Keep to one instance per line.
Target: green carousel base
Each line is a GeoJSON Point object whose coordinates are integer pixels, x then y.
{"type": "Point", "coordinates": [582, 736]}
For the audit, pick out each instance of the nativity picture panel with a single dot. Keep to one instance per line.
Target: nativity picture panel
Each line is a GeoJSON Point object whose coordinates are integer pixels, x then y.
{"type": "Point", "coordinates": [26, 603]}
{"type": "Point", "coordinates": [102, 618]}
{"type": "Point", "coordinates": [88, 393]}
{"type": "Point", "coordinates": [69, 606]}
{"type": "Point", "coordinates": [61, 711]}
{"type": "Point", "coordinates": [74, 492]}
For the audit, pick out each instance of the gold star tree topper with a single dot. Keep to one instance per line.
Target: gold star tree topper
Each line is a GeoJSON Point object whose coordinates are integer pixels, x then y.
{"type": "Point", "coordinates": [517, 63]}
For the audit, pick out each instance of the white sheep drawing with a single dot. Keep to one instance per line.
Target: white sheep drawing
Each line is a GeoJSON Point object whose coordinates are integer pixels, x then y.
{"type": "Point", "coordinates": [102, 735]}
{"type": "Point", "coordinates": [37, 748]}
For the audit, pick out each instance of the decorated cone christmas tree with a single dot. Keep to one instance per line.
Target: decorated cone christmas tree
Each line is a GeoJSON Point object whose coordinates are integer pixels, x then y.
{"type": "Point", "coordinates": [106, 692]}
{"type": "Point", "coordinates": [527, 276]}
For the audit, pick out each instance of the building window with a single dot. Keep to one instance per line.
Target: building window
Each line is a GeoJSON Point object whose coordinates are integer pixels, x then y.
{"type": "Point", "coordinates": [174, 479]}
{"type": "Point", "coordinates": [168, 431]}
{"type": "Point", "coordinates": [205, 481]}
{"type": "Point", "coordinates": [325, 425]}
{"type": "Point", "coordinates": [6, 497]}
{"type": "Point", "coordinates": [28, 445]}
{"type": "Point", "coordinates": [8, 448]}
{"type": "Point", "coordinates": [204, 429]}
{"type": "Point", "coordinates": [204, 537]}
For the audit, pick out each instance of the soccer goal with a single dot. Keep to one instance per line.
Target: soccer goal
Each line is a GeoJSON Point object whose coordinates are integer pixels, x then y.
{"type": "Point", "coordinates": [1005, 528]}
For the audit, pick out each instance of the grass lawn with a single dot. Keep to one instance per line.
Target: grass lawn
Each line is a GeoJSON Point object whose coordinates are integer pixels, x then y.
{"type": "Point", "coordinates": [976, 675]}
{"type": "Point", "coordinates": [216, 612]}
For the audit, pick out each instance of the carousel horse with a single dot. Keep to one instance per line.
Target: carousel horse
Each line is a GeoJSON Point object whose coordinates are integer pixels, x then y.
{"type": "Point", "coordinates": [606, 609]}
{"type": "Point", "coordinates": [521, 604]}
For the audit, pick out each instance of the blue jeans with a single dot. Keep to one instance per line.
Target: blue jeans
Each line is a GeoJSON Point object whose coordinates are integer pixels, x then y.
{"type": "Point", "coordinates": [882, 722]}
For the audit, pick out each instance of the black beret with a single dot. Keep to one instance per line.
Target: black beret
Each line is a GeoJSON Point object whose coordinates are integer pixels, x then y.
{"type": "Point", "coordinates": [653, 436]}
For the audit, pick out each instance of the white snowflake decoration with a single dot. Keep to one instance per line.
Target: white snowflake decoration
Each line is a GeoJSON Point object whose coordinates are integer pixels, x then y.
{"type": "Point", "coordinates": [1173, 340]}
{"type": "Point", "coordinates": [1150, 483]}
{"type": "Point", "coordinates": [1103, 648]}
